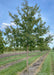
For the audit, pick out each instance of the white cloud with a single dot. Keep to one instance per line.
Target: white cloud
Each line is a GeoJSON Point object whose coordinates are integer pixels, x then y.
{"type": "Point", "coordinates": [44, 18]}
{"type": "Point", "coordinates": [50, 33]}
{"type": "Point", "coordinates": [4, 25]}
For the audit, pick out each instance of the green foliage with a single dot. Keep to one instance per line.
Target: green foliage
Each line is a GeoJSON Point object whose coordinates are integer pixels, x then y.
{"type": "Point", "coordinates": [53, 48]}
{"type": "Point", "coordinates": [49, 39]}
{"type": "Point", "coordinates": [24, 32]}
{"type": "Point", "coordinates": [1, 43]}
{"type": "Point", "coordinates": [20, 48]}
{"type": "Point", "coordinates": [7, 49]}
{"type": "Point", "coordinates": [28, 29]}
{"type": "Point", "coordinates": [42, 44]}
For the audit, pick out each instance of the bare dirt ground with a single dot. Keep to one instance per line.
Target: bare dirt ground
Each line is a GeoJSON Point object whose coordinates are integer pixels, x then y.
{"type": "Point", "coordinates": [17, 61]}
{"type": "Point", "coordinates": [32, 69]}
{"type": "Point", "coordinates": [15, 53]}
{"type": "Point", "coordinates": [10, 54]}
{"type": "Point", "coordinates": [10, 64]}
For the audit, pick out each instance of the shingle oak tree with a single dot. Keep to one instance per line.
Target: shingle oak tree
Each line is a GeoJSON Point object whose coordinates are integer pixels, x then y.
{"type": "Point", "coordinates": [26, 30]}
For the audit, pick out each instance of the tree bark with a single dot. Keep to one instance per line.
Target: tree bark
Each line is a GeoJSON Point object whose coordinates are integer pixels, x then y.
{"type": "Point", "coordinates": [27, 59]}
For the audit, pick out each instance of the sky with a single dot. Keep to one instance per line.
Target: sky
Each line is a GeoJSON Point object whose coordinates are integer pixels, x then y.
{"type": "Point", "coordinates": [46, 6]}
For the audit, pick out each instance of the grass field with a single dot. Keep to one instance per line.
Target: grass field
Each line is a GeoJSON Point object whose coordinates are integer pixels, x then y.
{"type": "Point", "coordinates": [6, 60]}
{"type": "Point", "coordinates": [48, 66]}
{"type": "Point", "coordinates": [52, 63]}
{"type": "Point", "coordinates": [18, 67]}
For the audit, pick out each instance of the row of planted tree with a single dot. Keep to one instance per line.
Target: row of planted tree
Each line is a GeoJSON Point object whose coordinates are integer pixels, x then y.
{"type": "Point", "coordinates": [29, 32]}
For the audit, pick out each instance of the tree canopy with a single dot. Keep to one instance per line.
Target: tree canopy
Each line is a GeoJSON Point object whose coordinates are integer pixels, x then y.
{"type": "Point", "coordinates": [29, 27]}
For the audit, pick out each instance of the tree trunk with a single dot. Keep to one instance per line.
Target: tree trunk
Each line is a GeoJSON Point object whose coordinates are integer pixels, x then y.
{"type": "Point", "coordinates": [27, 58]}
